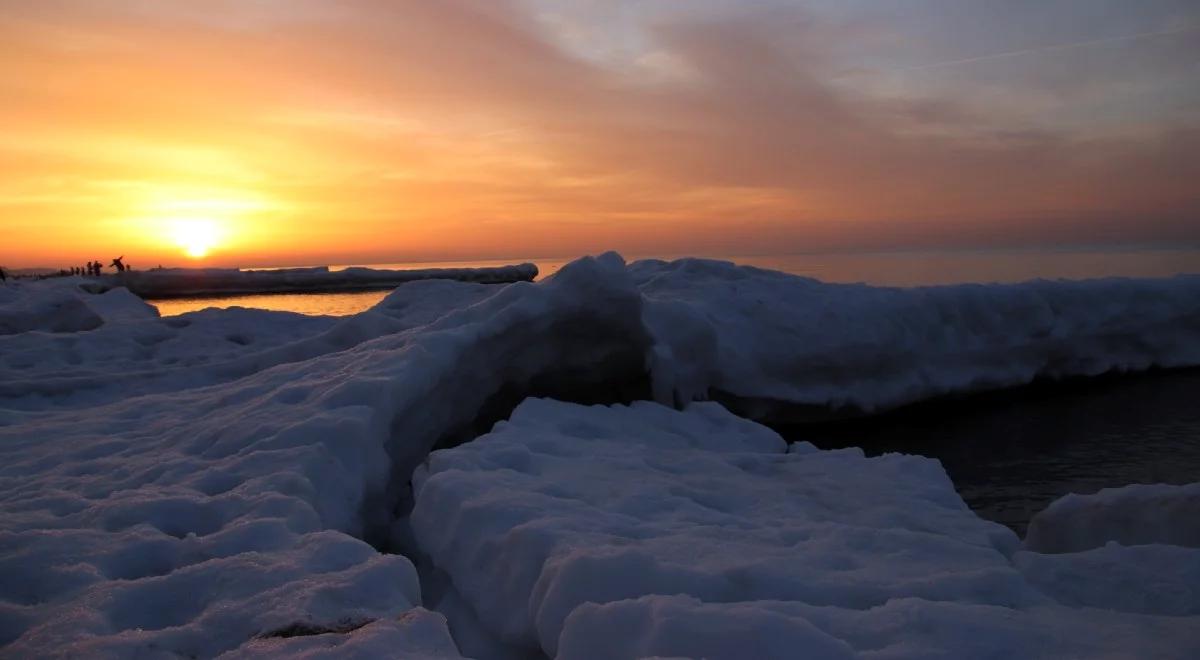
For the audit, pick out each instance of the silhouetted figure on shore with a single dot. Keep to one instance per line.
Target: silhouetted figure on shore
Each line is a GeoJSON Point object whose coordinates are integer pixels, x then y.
{"type": "Point", "coordinates": [3, 277]}
{"type": "Point", "coordinates": [91, 269]}
{"type": "Point", "coordinates": [118, 265]}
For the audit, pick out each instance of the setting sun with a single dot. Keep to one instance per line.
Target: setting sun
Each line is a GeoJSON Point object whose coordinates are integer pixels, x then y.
{"type": "Point", "coordinates": [197, 236]}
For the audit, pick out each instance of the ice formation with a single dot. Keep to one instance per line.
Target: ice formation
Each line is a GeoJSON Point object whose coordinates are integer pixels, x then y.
{"type": "Point", "coordinates": [230, 481]}
{"type": "Point", "coordinates": [776, 345]}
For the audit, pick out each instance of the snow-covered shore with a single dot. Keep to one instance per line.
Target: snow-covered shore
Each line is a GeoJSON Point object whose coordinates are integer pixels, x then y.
{"type": "Point", "coordinates": [205, 484]}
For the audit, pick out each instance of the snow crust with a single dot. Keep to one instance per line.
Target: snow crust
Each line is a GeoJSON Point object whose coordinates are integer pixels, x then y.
{"type": "Point", "coordinates": [775, 341]}
{"type": "Point", "coordinates": [1133, 515]}
{"type": "Point", "coordinates": [597, 532]}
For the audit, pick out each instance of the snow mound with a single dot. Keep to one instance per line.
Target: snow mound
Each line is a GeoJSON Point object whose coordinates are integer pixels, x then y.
{"type": "Point", "coordinates": [564, 505]}
{"type": "Point", "coordinates": [65, 305]}
{"type": "Point", "coordinates": [638, 531]}
{"type": "Point", "coordinates": [1133, 515]}
{"type": "Point", "coordinates": [193, 521]}
{"type": "Point", "coordinates": [774, 344]}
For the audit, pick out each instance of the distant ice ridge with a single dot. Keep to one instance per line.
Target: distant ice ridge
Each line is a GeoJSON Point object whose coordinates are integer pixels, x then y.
{"type": "Point", "coordinates": [625, 532]}
{"type": "Point", "coordinates": [200, 485]}
{"type": "Point", "coordinates": [180, 282]}
{"type": "Point", "coordinates": [774, 345]}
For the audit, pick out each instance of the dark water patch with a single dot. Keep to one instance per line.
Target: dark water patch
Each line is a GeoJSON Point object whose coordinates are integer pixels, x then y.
{"type": "Point", "coordinates": [1011, 453]}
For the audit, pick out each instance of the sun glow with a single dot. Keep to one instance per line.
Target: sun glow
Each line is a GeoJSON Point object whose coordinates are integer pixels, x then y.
{"type": "Point", "coordinates": [197, 236]}
{"type": "Point", "coordinates": [199, 223]}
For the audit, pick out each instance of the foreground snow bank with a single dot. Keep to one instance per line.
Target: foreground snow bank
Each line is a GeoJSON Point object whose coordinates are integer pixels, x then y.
{"type": "Point", "coordinates": [641, 531]}
{"type": "Point", "coordinates": [198, 520]}
{"type": "Point", "coordinates": [1133, 515]}
{"type": "Point", "coordinates": [200, 485]}
{"type": "Point", "coordinates": [774, 343]}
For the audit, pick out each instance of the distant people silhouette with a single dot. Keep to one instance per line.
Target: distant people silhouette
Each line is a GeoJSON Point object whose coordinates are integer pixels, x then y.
{"type": "Point", "coordinates": [118, 265]}
{"type": "Point", "coordinates": [91, 269]}
{"type": "Point", "coordinates": [3, 277]}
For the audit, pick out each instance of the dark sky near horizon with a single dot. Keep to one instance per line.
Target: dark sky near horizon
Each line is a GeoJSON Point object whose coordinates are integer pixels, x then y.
{"type": "Point", "coordinates": [298, 131]}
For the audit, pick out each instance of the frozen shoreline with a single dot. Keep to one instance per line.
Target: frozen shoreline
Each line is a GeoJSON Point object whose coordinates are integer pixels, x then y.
{"type": "Point", "coordinates": [203, 484]}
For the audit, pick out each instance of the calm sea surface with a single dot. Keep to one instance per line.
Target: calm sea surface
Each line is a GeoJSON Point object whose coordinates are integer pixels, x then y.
{"type": "Point", "coordinates": [1009, 454]}
{"type": "Point", "coordinates": [885, 269]}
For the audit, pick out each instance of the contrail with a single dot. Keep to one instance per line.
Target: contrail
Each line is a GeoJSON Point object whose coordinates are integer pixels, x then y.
{"type": "Point", "coordinates": [1048, 49]}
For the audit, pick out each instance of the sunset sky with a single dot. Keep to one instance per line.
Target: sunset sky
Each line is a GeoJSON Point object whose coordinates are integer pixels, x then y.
{"type": "Point", "coordinates": [288, 132]}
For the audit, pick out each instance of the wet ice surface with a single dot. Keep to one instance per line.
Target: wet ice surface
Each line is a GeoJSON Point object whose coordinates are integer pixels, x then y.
{"type": "Point", "coordinates": [1010, 454]}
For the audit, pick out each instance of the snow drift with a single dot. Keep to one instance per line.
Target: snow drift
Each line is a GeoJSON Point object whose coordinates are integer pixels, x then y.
{"type": "Point", "coordinates": [779, 346]}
